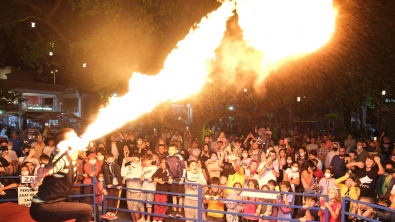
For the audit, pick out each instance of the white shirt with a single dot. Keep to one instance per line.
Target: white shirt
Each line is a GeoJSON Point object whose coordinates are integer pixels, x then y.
{"type": "Point", "coordinates": [268, 174]}
{"type": "Point", "coordinates": [195, 152]}
{"type": "Point", "coordinates": [130, 173]}
{"type": "Point", "coordinates": [255, 176]}
{"type": "Point", "coordinates": [114, 150]}
{"type": "Point", "coordinates": [147, 173]}
{"type": "Point", "coordinates": [293, 176]}
{"type": "Point", "coordinates": [48, 150]}
{"type": "Point", "coordinates": [319, 164]}
{"type": "Point", "coordinates": [11, 156]}
{"type": "Point", "coordinates": [329, 158]}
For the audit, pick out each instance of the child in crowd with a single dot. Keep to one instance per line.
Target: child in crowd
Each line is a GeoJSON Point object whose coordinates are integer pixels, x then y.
{"type": "Point", "coordinates": [92, 168]}
{"type": "Point", "coordinates": [44, 159]}
{"type": "Point", "coordinates": [349, 189]}
{"type": "Point", "coordinates": [334, 206]}
{"type": "Point", "coordinates": [234, 207]}
{"type": "Point", "coordinates": [223, 182]}
{"type": "Point", "coordinates": [292, 175]}
{"type": "Point", "coordinates": [245, 161]}
{"type": "Point", "coordinates": [327, 182]}
{"type": "Point", "coordinates": [250, 208]}
{"type": "Point", "coordinates": [176, 167]}
{"type": "Point", "coordinates": [149, 185]}
{"type": "Point", "coordinates": [193, 176]}
{"type": "Point", "coordinates": [362, 210]}
{"type": "Point", "coordinates": [159, 177]}
{"type": "Point", "coordinates": [287, 199]}
{"type": "Point", "coordinates": [110, 168]}
{"type": "Point", "coordinates": [267, 210]}
{"type": "Point", "coordinates": [130, 173]}
{"type": "Point", "coordinates": [251, 173]}
{"type": "Point", "coordinates": [100, 190]}
{"type": "Point", "coordinates": [307, 214]}
{"type": "Point", "coordinates": [215, 204]}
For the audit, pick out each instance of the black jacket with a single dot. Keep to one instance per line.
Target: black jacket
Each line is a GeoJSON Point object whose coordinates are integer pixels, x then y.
{"type": "Point", "coordinates": [120, 145]}
{"type": "Point", "coordinates": [115, 172]}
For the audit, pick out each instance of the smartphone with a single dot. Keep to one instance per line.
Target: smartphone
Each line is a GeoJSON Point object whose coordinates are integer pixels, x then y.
{"type": "Point", "coordinates": [374, 138]}
{"type": "Point", "coordinates": [91, 144]}
{"type": "Point", "coordinates": [277, 188]}
{"type": "Point", "coordinates": [187, 127]}
{"type": "Point", "coordinates": [285, 140]}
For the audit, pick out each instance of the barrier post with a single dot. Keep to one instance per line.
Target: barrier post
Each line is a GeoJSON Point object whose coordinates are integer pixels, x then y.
{"type": "Point", "coordinates": [200, 214]}
{"type": "Point", "coordinates": [343, 210]}
{"type": "Point", "coordinates": [326, 209]}
{"type": "Point", "coordinates": [104, 208]}
{"type": "Point", "coordinates": [94, 197]}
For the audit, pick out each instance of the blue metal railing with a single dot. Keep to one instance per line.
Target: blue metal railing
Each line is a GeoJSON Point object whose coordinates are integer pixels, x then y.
{"type": "Point", "coordinates": [70, 196]}
{"type": "Point", "coordinates": [200, 199]}
{"type": "Point", "coordinates": [345, 213]}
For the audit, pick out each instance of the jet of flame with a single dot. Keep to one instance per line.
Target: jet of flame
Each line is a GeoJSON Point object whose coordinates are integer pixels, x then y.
{"type": "Point", "coordinates": [282, 29]}
{"type": "Point", "coordinates": [184, 73]}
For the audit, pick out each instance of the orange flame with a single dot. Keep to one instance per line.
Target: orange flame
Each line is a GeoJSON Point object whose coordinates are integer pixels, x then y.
{"type": "Point", "coordinates": [184, 73]}
{"type": "Point", "coordinates": [284, 28]}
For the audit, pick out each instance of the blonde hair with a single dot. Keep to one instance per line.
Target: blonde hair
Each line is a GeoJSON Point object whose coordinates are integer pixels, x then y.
{"type": "Point", "coordinates": [338, 197]}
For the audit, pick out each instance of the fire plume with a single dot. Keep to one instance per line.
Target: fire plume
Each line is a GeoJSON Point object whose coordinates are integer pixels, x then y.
{"type": "Point", "coordinates": [184, 73]}
{"type": "Point", "coordinates": [282, 29]}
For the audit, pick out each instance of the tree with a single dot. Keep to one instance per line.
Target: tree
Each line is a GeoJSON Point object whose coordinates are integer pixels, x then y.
{"type": "Point", "coordinates": [8, 96]}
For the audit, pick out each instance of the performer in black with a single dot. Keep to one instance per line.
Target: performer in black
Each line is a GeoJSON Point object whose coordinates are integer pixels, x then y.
{"type": "Point", "coordinates": [49, 204]}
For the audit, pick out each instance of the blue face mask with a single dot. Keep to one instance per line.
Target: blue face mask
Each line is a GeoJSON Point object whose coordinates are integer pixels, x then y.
{"type": "Point", "coordinates": [110, 163]}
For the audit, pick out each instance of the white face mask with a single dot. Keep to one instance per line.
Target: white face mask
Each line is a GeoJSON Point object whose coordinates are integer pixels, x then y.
{"type": "Point", "coordinates": [9, 147]}
{"type": "Point", "coordinates": [100, 158]}
{"type": "Point", "coordinates": [294, 169]}
{"type": "Point", "coordinates": [301, 154]}
{"type": "Point", "coordinates": [92, 162]}
{"type": "Point", "coordinates": [359, 147]}
{"type": "Point", "coordinates": [289, 161]}
{"type": "Point", "coordinates": [25, 173]}
{"type": "Point", "coordinates": [245, 154]}
{"type": "Point", "coordinates": [214, 158]}
{"type": "Point", "coordinates": [135, 165]}
{"type": "Point", "coordinates": [327, 175]}
{"type": "Point", "coordinates": [100, 179]}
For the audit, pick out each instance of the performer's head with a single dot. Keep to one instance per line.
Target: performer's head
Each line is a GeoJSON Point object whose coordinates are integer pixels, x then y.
{"type": "Point", "coordinates": [64, 134]}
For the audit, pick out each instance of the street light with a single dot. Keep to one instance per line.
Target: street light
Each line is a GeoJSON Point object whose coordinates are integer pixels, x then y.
{"type": "Point", "coordinates": [245, 90]}
{"type": "Point", "coordinates": [33, 24]}
{"type": "Point", "coordinates": [230, 107]}
{"type": "Point", "coordinates": [298, 99]}
{"type": "Point", "coordinates": [84, 65]}
{"type": "Point", "coordinates": [188, 105]}
{"type": "Point", "coordinates": [179, 117]}
{"type": "Point", "coordinates": [50, 53]}
{"type": "Point", "coordinates": [383, 92]}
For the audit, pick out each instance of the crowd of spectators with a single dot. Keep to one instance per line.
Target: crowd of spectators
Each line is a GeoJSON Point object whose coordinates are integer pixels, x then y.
{"type": "Point", "coordinates": [310, 162]}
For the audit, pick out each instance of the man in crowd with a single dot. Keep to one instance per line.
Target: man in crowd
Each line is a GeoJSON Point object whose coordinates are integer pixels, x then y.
{"type": "Point", "coordinates": [362, 154]}
{"type": "Point", "coordinates": [349, 143]}
{"type": "Point", "coordinates": [337, 162]}
{"type": "Point", "coordinates": [116, 148]}
{"type": "Point", "coordinates": [312, 145]}
{"type": "Point", "coordinates": [255, 153]}
{"type": "Point", "coordinates": [177, 138]}
{"type": "Point", "coordinates": [16, 144]}
{"type": "Point", "coordinates": [38, 146]}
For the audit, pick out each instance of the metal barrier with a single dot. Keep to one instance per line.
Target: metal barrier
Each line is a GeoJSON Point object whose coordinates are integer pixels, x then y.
{"type": "Point", "coordinates": [70, 196]}
{"type": "Point", "coordinates": [201, 197]}
{"type": "Point", "coordinates": [344, 210]}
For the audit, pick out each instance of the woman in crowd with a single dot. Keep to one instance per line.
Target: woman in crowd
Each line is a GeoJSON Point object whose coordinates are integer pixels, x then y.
{"type": "Point", "coordinates": [250, 208]}
{"type": "Point", "coordinates": [292, 175]}
{"type": "Point", "coordinates": [327, 182]}
{"type": "Point", "coordinates": [333, 206]}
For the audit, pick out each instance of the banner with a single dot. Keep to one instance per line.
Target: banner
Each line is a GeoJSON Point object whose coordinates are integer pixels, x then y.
{"type": "Point", "coordinates": [260, 195]}
{"type": "Point", "coordinates": [25, 195]}
{"type": "Point", "coordinates": [28, 179]}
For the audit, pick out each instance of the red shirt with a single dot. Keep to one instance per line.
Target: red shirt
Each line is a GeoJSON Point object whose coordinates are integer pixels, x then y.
{"type": "Point", "coordinates": [319, 174]}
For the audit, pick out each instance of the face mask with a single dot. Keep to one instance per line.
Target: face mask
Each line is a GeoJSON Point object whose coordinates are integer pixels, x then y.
{"type": "Point", "coordinates": [92, 150]}
{"type": "Point", "coordinates": [25, 173]}
{"type": "Point", "coordinates": [135, 165]}
{"type": "Point", "coordinates": [9, 147]}
{"type": "Point", "coordinates": [245, 154]}
{"type": "Point", "coordinates": [80, 157]}
{"type": "Point", "coordinates": [92, 162]}
{"type": "Point", "coordinates": [341, 155]}
{"type": "Point", "coordinates": [100, 158]}
{"type": "Point", "coordinates": [139, 142]}
{"type": "Point", "coordinates": [335, 149]}
{"type": "Point", "coordinates": [110, 163]}
{"type": "Point", "coordinates": [301, 154]}
{"type": "Point", "coordinates": [359, 147]}
{"type": "Point", "coordinates": [214, 158]}
{"type": "Point", "coordinates": [2, 173]}
{"type": "Point", "coordinates": [294, 169]}
{"type": "Point", "coordinates": [289, 161]}
{"type": "Point", "coordinates": [389, 170]}
{"type": "Point", "coordinates": [349, 184]}
{"type": "Point", "coordinates": [100, 179]}
{"type": "Point", "coordinates": [27, 153]}
{"type": "Point", "coordinates": [327, 175]}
